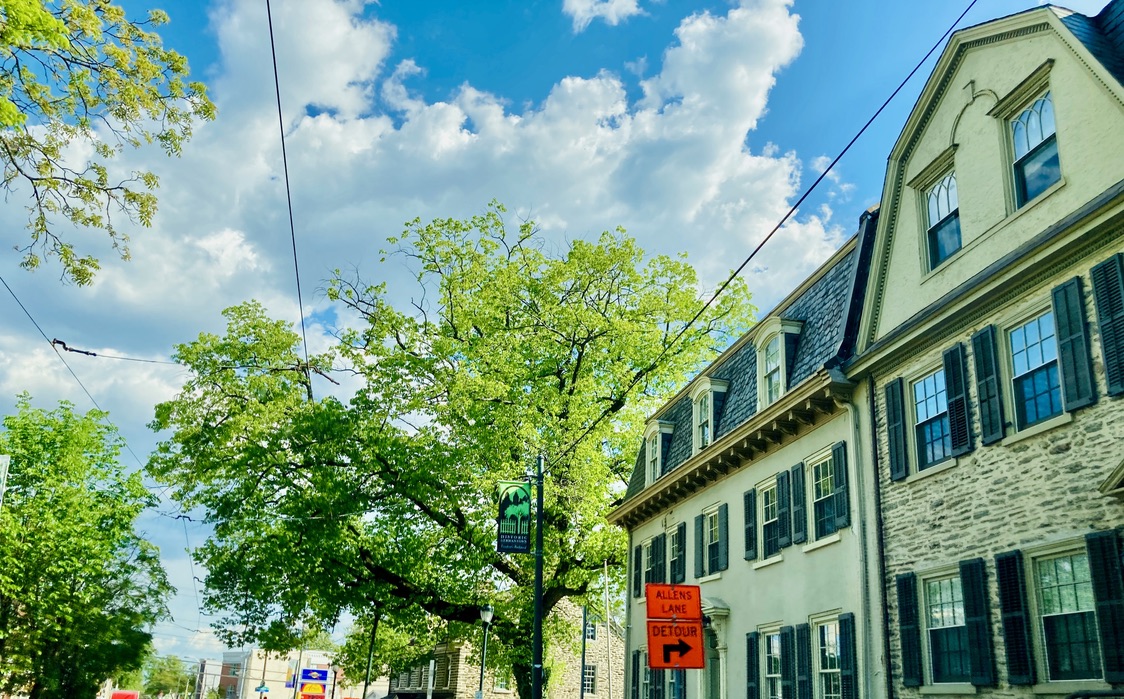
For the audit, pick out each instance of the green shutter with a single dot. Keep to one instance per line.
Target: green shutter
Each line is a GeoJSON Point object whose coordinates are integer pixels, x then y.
{"type": "Point", "coordinates": [803, 661]}
{"type": "Point", "coordinates": [656, 685]}
{"type": "Point", "coordinates": [635, 693]}
{"type": "Point", "coordinates": [1108, 592]}
{"type": "Point", "coordinates": [637, 571]}
{"type": "Point", "coordinates": [659, 558]}
{"type": "Point", "coordinates": [1074, 362]}
{"type": "Point", "coordinates": [842, 499]}
{"type": "Point", "coordinates": [895, 431]}
{"type": "Point", "coordinates": [679, 564]}
{"type": "Point", "coordinates": [788, 664]}
{"type": "Point", "coordinates": [977, 615]}
{"type": "Point", "coordinates": [749, 501]}
{"type": "Point", "coordinates": [956, 392]}
{"type": "Point", "coordinates": [784, 511]}
{"type": "Point", "coordinates": [988, 395]}
{"type": "Point", "coordinates": [848, 657]}
{"type": "Point", "coordinates": [700, 553]}
{"type": "Point", "coordinates": [1015, 614]}
{"type": "Point", "coordinates": [799, 510]}
{"type": "Point", "coordinates": [1108, 293]}
{"type": "Point", "coordinates": [723, 537]}
{"type": "Point", "coordinates": [751, 667]}
{"type": "Point", "coordinates": [909, 630]}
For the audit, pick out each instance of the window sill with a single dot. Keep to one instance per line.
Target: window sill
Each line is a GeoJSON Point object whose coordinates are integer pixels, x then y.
{"type": "Point", "coordinates": [1069, 686]}
{"type": "Point", "coordinates": [949, 688]}
{"type": "Point", "coordinates": [826, 541]}
{"type": "Point", "coordinates": [1034, 430]}
{"type": "Point", "coordinates": [708, 578]}
{"type": "Point", "coordinates": [941, 467]}
{"type": "Point", "coordinates": [768, 561]}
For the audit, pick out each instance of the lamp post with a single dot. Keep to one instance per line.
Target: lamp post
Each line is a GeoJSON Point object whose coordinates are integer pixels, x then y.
{"type": "Point", "coordinates": [486, 613]}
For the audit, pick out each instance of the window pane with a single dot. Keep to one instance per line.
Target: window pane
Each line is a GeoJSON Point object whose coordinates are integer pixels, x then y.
{"type": "Point", "coordinates": [1072, 648]}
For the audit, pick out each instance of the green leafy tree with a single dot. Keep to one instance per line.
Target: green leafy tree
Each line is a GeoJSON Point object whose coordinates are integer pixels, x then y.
{"type": "Point", "coordinates": [78, 586]}
{"type": "Point", "coordinates": [168, 675]}
{"type": "Point", "coordinates": [79, 72]}
{"type": "Point", "coordinates": [385, 506]}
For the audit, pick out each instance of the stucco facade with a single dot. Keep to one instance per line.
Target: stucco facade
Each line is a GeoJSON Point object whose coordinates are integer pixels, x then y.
{"type": "Point", "coordinates": [990, 366]}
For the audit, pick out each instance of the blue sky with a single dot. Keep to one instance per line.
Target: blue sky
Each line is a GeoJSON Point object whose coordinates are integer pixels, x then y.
{"type": "Point", "coordinates": [692, 123]}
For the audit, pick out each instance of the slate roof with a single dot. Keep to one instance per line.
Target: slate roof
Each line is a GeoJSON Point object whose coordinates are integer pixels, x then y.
{"type": "Point", "coordinates": [1103, 35]}
{"type": "Point", "coordinates": [827, 309]}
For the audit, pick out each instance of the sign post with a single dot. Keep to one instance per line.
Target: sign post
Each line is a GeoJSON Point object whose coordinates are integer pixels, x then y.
{"type": "Point", "coordinates": [675, 629]}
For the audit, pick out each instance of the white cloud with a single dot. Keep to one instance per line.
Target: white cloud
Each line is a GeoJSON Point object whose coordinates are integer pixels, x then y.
{"type": "Point", "coordinates": [613, 12]}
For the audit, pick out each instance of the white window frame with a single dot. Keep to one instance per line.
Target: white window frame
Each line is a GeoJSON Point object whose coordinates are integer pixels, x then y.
{"type": "Point", "coordinates": [824, 459]}
{"type": "Point", "coordinates": [589, 678]}
{"type": "Point", "coordinates": [948, 573]}
{"type": "Point", "coordinates": [645, 675]}
{"type": "Point", "coordinates": [1006, 111]}
{"type": "Point", "coordinates": [702, 410]}
{"type": "Point", "coordinates": [915, 419]}
{"type": "Point", "coordinates": [765, 635]}
{"type": "Point", "coordinates": [647, 557]}
{"type": "Point", "coordinates": [1034, 593]}
{"type": "Point", "coordinates": [501, 682]}
{"type": "Point", "coordinates": [653, 449]}
{"type": "Point", "coordinates": [943, 191]}
{"type": "Point", "coordinates": [819, 671]}
{"type": "Point", "coordinates": [771, 330]}
{"type": "Point", "coordinates": [1007, 362]}
{"type": "Point", "coordinates": [1017, 161]}
{"type": "Point", "coordinates": [591, 630]}
{"type": "Point", "coordinates": [712, 536]}
{"type": "Point", "coordinates": [764, 487]}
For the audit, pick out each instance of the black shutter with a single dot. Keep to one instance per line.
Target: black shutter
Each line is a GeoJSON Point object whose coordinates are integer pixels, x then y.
{"type": "Point", "coordinates": [665, 452]}
{"type": "Point", "coordinates": [986, 355]}
{"type": "Point", "coordinates": [750, 502]}
{"type": "Point", "coordinates": [842, 501]}
{"type": "Point", "coordinates": [788, 666]}
{"type": "Point", "coordinates": [1073, 346]}
{"type": "Point", "coordinates": [1108, 293]}
{"type": "Point", "coordinates": [1014, 612]}
{"type": "Point", "coordinates": [791, 343]}
{"type": "Point", "coordinates": [784, 509]}
{"type": "Point", "coordinates": [679, 565]}
{"type": "Point", "coordinates": [659, 558]}
{"type": "Point", "coordinates": [803, 661]}
{"type": "Point", "coordinates": [700, 553]}
{"type": "Point", "coordinates": [1108, 591]}
{"type": "Point", "coordinates": [848, 657]}
{"type": "Point", "coordinates": [635, 674]}
{"type": "Point", "coordinates": [656, 685]}
{"type": "Point", "coordinates": [977, 615]}
{"type": "Point", "coordinates": [956, 391]}
{"type": "Point", "coordinates": [909, 630]}
{"type": "Point", "coordinates": [895, 431]}
{"type": "Point", "coordinates": [637, 571]}
{"type": "Point", "coordinates": [723, 537]}
{"type": "Point", "coordinates": [799, 511]}
{"type": "Point", "coordinates": [751, 667]}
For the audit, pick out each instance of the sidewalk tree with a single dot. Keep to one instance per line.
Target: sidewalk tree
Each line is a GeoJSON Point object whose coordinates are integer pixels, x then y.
{"type": "Point", "coordinates": [386, 504]}
{"type": "Point", "coordinates": [79, 81]}
{"type": "Point", "coordinates": [78, 586]}
{"type": "Point", "coordinates": [168, 675]}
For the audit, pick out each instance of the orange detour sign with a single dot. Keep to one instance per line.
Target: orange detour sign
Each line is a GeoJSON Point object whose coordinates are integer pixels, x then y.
{"type": "Point", "coordinates": [675, 644]}
{"type": "Point", "coordinates": [673, 602]}
{"type": "Point", "coordinates": [675, 630]}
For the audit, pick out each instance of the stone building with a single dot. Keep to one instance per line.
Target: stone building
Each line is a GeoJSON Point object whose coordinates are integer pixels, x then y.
{"type": "Point", "coordinates": [991, 353]}
{"type": "Point", "coordinates": [456, 667]}
{"type": "Point", "coordinates": [758, 456]}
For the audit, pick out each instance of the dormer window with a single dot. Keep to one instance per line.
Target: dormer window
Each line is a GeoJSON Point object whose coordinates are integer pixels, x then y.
{"type": "Point", "coordinates": [775, 358]}
{"type": "Point", "coordinates": [944, 220]}
{"type": "Point", "coordinates": [657, 440]}
{"type": "Point", "coordinates": [1036, 150]}
{"type": "Point", "coordinates": [706, 397]}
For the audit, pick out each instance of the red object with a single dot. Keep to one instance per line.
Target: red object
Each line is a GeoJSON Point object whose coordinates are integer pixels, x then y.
{"type": "Point", "coordinates": [673, 602]}
{"type": "Point", "coordinates": [125, 694]}
{"type": "Point", "coordinates": [675, 644]}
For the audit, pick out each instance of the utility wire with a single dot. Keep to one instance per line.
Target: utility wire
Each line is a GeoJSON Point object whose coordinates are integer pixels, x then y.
{"type": "Point", "coordinates": [733, 275]}
{"type": "Point", "coordinates": [288, 194]}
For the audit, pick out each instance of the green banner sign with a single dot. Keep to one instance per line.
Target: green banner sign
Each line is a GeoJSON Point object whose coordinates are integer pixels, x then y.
{"type": "Point", "coordinates": [514, 521]}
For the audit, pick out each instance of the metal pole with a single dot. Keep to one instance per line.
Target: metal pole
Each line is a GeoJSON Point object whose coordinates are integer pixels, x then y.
{"type": "Point", "coordinates": [608, 634]}
{"type": "Point", "coordinates": [370, 654]}
{"type": "Point", "coordinates": [585, 635]}
{"type": "Point", "coordinates": [483, 660]}
{"type": "Point", "coordinates": [536, 643]}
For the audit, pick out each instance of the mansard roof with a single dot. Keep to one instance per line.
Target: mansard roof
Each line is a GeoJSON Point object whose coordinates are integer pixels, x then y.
{"type": "Point", "coordinates": [825, 305]}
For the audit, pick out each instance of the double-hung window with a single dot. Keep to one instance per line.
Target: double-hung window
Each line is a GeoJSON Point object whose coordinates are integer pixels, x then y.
{"type": "Point", "coordinates": [589, 679]}
{"type": "Point", "coordinates": [1034, 364]}
{"type": "Point", "coordinates": [943, 210]}
{"type": "Point", "coordinates": [828, 678]}
{"type": "Point", "coordinates": [1034, 138]}
{"type": "Point", "coordinates": [823, 497]}
{"type": "Point", "coordinates": [773, 687]}
{"type": "Point", "coordinates": [1067, 611]}
{"type": "Point", "coordinates": [946, 630]}
{"type": "Point", "coordinates": [653, 457]}
{"type": "Point", "coordinates": [702, 421]}
{"type": "Point", "coordinates": [931, 428]}
{"type": "Point", "coordinates": [713, 541]}
{"type": "Point", "coordinates": [772, 370]}
{"type": "Point", "coordinates": [770, 521]}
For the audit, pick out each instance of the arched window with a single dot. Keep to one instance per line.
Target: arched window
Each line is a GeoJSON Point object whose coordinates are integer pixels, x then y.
{"type": "Point", "coordinates": [944, 220]}
{"type": "Point", "coordinates": [1036, 150]}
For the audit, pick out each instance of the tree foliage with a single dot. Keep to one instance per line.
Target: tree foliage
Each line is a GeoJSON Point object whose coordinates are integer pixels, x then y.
{"type": "Point", "coordinates": [385, 505]}
{"type": "Point", "coordinates": [78, 586]}
{"type": "Point", "coordinates": [79, 81]}
{"type": "Point", "coordinates": [167, 674]}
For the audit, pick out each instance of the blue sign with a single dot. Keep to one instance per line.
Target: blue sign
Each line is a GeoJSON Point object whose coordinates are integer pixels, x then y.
{"type": "Point", "coordinates": [311, 674]}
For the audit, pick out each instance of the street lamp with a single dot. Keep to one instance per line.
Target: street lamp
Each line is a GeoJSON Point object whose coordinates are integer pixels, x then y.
{"type": "Point", "coordinates": [486, 613]}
